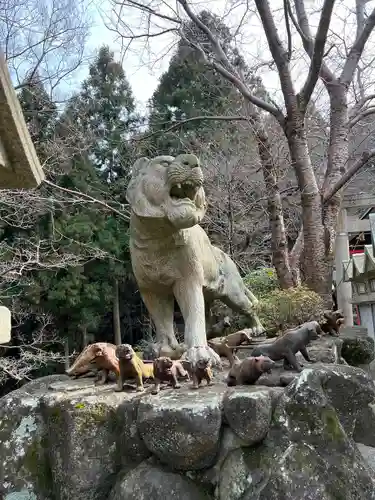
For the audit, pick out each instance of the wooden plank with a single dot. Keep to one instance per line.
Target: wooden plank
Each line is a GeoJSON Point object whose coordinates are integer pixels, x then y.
{"type": "Point", "coordinates": [363, 298]}
{"type": "Point", "coordinates": [372, 226]}
{"type": "Point", "coordinates": [19, 167]}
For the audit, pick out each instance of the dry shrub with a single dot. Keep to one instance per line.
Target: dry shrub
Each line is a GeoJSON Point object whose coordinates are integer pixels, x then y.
{"type": "Point", "coordinates": [283, 309]}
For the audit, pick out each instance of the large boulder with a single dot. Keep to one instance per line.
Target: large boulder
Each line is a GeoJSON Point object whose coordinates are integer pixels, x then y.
{"type": "Point", "coordinates": [309, 453]}
{"type": "Point", "coordinates": [248, 411]}
{"type": "Point", "coordinates": [92, 434]}
{"type": "Point", "coordinates": [183, 428]}
{"type": "Point", "coordinates": [151, 482]}
{"type": "Point", "coordinates": [24, 464]}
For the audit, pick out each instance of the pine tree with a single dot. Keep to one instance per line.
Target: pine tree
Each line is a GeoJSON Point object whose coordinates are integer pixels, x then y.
{"type": "Point", "coordinates": [40, 114]}
{"type": "Point", "coordinates": [189, 88]}
{"type": "Point", "coordinates": [105, 110]}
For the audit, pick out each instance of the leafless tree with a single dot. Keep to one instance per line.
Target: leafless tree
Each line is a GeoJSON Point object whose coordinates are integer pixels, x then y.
{"type": "Point", "coordinates": [45, 38]}
{"type": "Point", "coordinates": [334, 60]}
{"type": "Point", "coordinates": [18, 361]}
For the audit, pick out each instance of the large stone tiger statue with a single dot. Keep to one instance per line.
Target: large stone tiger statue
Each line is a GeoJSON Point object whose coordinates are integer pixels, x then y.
{"type": "Point", "coordinates": [172, 256]}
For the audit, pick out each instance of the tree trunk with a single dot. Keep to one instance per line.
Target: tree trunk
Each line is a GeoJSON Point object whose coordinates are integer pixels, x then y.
{"type": "Point", "coordinates": [66, 353]}
{"type": "Point", "coordinates": [84, 336]}
{"type": "Point", "coordinates": [230, 217]}
{"type": "Point", "coordinates": [279, 244]}
{"type": "Point", "coordinates": [295, 258]}
{"type": "Point", "coordinates": [311, 203]}
{"type": "Point", "coordinates": [338, 153]}
{"type": "Point", "coordinates": [116, 313]}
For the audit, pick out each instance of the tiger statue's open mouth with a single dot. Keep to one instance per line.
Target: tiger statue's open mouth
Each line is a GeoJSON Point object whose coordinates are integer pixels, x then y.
{"type": "Point", "coordinates": [184, 191]}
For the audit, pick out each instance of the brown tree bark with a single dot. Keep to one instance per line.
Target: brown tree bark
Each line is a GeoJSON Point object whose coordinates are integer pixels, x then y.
{"type": "Point", "coordinates": [279, 248]}
{"type": "Point", "coordinates": [84, 336]}
{"type": "Point", "coordinates": [279, 244]}
{"type": "Point", "coordinates": [116, 313]}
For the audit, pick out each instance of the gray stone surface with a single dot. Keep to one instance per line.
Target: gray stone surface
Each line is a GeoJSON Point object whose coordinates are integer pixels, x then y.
{"type": "Point", "coordinates": [151, 482]}
{"type": "Point", "coordinates": [24, 468]}
{"type": "Point", "coordinates": [83, 435]}
{"type": "Point", "coordinates": [182, 428]}
{"type": "Point", "coordinates": [368, 453]}
{"type": "Point", "coordinates": [248, 411]}
{"type": "Point", "coordinates": [72, 440]}
{"type": "Point", "coordinates": [307, 455]}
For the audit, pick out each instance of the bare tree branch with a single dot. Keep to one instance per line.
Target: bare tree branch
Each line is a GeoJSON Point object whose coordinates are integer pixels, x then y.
{"type": "Point", "coordinates": [288, 30]}
{"type": "Point", "coordinates": [318, 53]}
{"type": "Point", "coordinates": [365, 157]}
{"type": "Point", "coordinates": [32, 353]}
{"type": "Point", "coordinates": [224, 67]}
{"type": "Point", "coordinates": [44, 37]}
{"type": "Point", "coordinates": [278, 52]}
{"type": "Point", "coordinates": [360, 116]}
{"type": "Point", "coordinates": [355, 53]}
{"type": "Point", "coordinates": [146, 8]}
{"type": "Point", "coordinates": [181, 123]}
{"type": "Point", "coordinates": [88, 197]}
{"type": "Point", "coordinates": [302, 25]}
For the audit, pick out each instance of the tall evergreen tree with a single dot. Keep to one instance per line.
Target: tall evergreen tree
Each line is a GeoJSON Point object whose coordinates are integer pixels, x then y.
{"type": "Point", "coordinates": [40, 114]}
{"type": "Point", "coordinates": [105, 110]}
{"type": "Point", "coordinates": [189, 88]}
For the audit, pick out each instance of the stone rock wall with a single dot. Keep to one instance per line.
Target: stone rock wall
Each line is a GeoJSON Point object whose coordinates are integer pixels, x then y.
{"type": "Point", "coordinates": [64, 440]}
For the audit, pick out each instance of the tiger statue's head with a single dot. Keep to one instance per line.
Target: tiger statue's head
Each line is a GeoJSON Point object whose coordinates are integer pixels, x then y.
{"type": "Point", "coordinates": [167, 187]}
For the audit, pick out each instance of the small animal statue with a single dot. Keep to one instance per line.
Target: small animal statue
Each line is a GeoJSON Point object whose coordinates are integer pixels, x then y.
{"type": "Point", "coordinates": [100, 356]}
{"type": "Point", "coordinates": [222, 346]}
{"type": "Point", "coordinates": [131, 366]}
{"type": "Point", "coordinates": [201, 370]}
{"type": "Point", "coordinates": [289, 344]}
{"type": "Point", "coordinates": [247, 371]}
{"type": "Point", "coordinates": [235, 339]}
{"type": "Point", "coordinates": [332, 323]}
{"type": "Point", "coordinates": [219, 329]}
{"type": "Point", "coordinates": [167, 370]}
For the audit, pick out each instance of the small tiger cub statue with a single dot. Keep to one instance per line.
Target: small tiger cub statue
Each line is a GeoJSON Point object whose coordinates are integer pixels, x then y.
{"type": "Point", "coordinates": [201, 371]}
{"type": "Point", "coordinates": [167, 370]}
{"type": "Point", "coordinates": [131, 366]}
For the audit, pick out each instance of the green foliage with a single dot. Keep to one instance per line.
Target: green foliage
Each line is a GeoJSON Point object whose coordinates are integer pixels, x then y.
{"type": "Point", "coordinates": [358, 351]}
{"type": "Point", "coordinates": [261, 281]}
{"type": "Point", "coordinates": [93, 133]}
{"type": "Point", "coordinates": [40, 114]}
{"type": "Point", "coordinates": [189, 88]}
{"type": "Point", "coordinates": [288, 308]}
{"type": "Point", "coordinates": [104, 113]}
{"type": "Point", "coordinates": [103, 117]}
